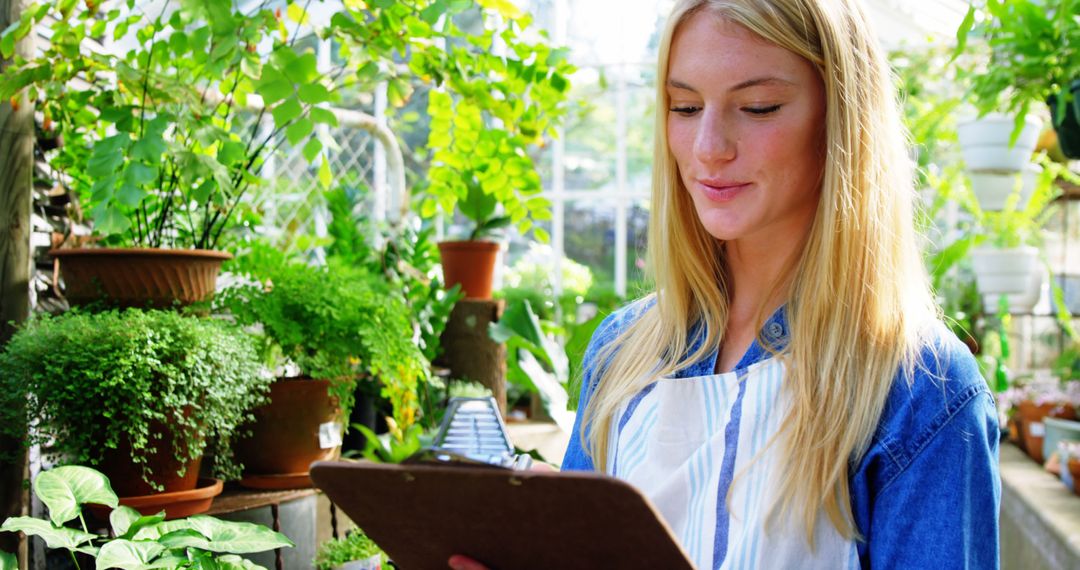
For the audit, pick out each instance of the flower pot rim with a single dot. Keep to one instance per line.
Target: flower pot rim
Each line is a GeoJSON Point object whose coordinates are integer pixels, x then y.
{"type": "Point", "coordinates": [206, 487]}
{"type": "Point", "coordinates": [139, 252]}
{"type": "Point", "coordinates": [482, 244]}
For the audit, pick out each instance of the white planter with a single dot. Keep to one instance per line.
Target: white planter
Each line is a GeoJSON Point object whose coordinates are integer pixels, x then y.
{"type": "Point", "coordinates": [985, 143]}
{"type": "Point", "coordinates": [1016, 273]}
{"type": "Point", "coordinates": [373, 563]}
{"type": "Point", "coordinates": [992, 189]}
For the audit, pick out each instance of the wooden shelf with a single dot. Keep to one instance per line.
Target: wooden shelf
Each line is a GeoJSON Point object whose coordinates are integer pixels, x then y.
{"type": "Point", "coordinates": [240, 499]}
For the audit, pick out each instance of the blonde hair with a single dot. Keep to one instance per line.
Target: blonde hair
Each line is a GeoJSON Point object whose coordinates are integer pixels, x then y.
{"type": "Point", "coordinates": [857, 298]}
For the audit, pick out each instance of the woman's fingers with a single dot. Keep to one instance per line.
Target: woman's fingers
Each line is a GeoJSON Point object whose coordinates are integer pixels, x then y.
{"type": "Point", "coordinates": [541, 466]}
{"type": "Point", "coordinates": [459, 562]}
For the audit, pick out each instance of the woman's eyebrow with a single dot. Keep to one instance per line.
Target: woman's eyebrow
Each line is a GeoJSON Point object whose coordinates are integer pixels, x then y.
{"type": "Point", "coordinates": [757, 81]}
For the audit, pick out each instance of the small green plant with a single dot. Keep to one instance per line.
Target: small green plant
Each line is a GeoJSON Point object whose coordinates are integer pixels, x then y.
{"type": "Point", "coordinates": [1034, 54]}
{"type": "Point", "coordinates": [333, 324]}
{"type": "Point", "coordinates": [355, 546]}
{"type": "Point", "coordinates": [137, 541]}
{"type": "Point", "coordinates": [89, 383]}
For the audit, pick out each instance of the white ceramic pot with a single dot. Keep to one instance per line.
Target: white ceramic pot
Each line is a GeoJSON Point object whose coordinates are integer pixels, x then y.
{"type": "Point", "coordinates": [984, 143]}
{"type": "Point", "coordinates": [992, 189]}
{"type": "Point", "coordinates": [1015, 273]}
{"type": "Point", "coordinates": [372, 563]}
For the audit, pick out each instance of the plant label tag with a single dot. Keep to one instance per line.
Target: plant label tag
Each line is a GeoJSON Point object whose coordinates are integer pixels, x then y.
{"type": "Point", "coordinates": [1037, 429]}
{"type": "Point", "coordinates": [329, 435]}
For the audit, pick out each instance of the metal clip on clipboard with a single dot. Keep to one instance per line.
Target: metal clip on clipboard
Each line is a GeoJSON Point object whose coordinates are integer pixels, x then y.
{"type": "Point", "coordinates": [472, 434]}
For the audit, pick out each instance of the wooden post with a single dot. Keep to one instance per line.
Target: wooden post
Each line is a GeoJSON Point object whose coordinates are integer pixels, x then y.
{"type": "Point", "coordinates": [16, 188]}
{"type": "Point", "coordinates": [468, 351]}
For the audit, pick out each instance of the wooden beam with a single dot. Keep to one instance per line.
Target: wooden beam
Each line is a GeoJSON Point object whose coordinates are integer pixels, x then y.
{"type": "Point", "coordinates": [16, 189]}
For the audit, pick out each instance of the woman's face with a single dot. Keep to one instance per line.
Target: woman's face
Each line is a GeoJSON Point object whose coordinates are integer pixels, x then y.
{"type": "Point", "coordinates": [746, 127]}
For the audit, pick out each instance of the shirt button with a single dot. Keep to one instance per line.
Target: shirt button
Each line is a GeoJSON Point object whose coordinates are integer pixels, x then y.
{"type": "Point", "coordinates": [775, 330]}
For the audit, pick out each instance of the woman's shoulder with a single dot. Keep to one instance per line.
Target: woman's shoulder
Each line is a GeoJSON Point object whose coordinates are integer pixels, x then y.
{"type": "Point", "coordinates": [618, 321]}
{"type": "Point", "coordinates": [943, 389]}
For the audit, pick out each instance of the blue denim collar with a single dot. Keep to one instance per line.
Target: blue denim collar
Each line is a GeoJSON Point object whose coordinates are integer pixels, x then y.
{"type": "Point", "coordinates": [774, 332]}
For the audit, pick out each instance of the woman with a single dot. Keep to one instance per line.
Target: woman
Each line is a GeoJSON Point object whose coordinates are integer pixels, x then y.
{"type": "Point", "coordinates": [788, 397]}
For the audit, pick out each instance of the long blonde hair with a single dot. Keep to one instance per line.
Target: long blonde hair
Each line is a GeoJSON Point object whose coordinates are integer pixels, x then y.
{"type": "Point", "coordinates": [858, 298]}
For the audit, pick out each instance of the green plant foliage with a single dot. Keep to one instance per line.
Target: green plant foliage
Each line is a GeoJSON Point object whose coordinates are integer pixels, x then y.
{"type": "Point", "coordinates": [1034, 53]}
{"type": "Point", "coordinates": [91, 382]}
{"type": "Point", "coordinates": [405, 255]}
{"type": "Point", "coordinates": [154, 148]}
{"type": "Point", "coordinates": [334, 324]}
{"type": "Point", "coordinates": [65, 489]}
{"type": "Point", "coordinates": [355, 546]}
{"type": "Point", "coordinates": [139, 543]}
{"type": "Point", "coordinates": [494, 97]}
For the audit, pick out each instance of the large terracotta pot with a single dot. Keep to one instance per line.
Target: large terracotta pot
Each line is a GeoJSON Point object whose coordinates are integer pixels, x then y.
{"type": "Point", "coordinates": [285, 436]}
{"type": "Point", "coordinates": [470, 264]}
{"type": "Point", "coordinates": [133, 277]}
{"type": "Point", "coordinates": [127, 478]}
{"type": "Point", "coordinates": [1031, 421]}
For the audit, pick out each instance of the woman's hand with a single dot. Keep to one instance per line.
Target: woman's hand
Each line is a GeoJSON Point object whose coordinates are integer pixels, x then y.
{"type": "Point", "coordinates": [459, 562]}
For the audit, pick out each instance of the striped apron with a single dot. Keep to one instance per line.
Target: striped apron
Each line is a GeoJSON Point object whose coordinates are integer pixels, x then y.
{"type": "Point", "coordinates": [683, 441]}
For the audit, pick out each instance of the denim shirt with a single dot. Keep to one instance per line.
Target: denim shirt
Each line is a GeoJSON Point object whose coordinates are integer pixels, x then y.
{"type": "Point", "coordinates": [926, 493]}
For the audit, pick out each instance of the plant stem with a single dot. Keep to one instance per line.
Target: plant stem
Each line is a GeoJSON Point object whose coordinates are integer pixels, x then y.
{"type": "Point", "coordinates": [73, 559]}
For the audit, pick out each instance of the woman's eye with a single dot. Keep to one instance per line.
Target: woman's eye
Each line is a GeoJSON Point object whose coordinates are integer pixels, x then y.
{"type": "Point", "coordinates": [762, 110]}
{"type": "Point", "coordinates": [685, 110]}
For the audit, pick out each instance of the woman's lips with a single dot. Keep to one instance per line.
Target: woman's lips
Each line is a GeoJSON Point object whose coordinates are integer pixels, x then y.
{"type": "Point", "coordinates": [722, 191]}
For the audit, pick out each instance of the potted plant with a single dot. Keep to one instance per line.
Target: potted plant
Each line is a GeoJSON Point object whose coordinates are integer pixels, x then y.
{"type": "Point", "coordinates": [1033, 58]}
{"type": "Point", "coordinates": [321, 328]}
{"type": "Point", "coordinates": [140, 395]}
{"type": "Point", "coordinates": [135, 540]}
{"type": "Point", "coordinates": [490, 108]}
{"type": "Point", "coordinates": [354, 552]}
{"type": "Point", "coordinates": [1006, 259]}
{"type": "Point", "coordinates": [165, 157]}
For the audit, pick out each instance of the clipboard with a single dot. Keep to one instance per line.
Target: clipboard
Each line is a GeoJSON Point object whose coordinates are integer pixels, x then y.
{"type": "Point", "coordinates": [420, 515]}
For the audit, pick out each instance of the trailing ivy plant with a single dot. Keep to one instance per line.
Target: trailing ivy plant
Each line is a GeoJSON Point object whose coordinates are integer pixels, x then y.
{"type": "Point", "coordinates": [171, 158]}
{"type": "Point", "coordinates": [137, 542]}
{"type": "Point", "coordinates": [89, 383]}
{"type": "Point", "coordinates": [494, 95]}
{"type": "Point", "coordinates": [333, 324]}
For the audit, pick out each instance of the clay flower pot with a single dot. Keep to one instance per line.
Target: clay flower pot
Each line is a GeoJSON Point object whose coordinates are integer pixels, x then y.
{"type": "Point", "coordinates": [1031, 418]}
{"type": "Point", "coordinates": [470, 264]}
{"type": "Point", "coordinates": [289, 435]}
{"type": "Point", "coordinates": [136, 277]}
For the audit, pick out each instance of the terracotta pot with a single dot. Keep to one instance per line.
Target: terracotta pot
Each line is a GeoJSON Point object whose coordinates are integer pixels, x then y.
{"type": "Point", "coordinates": [470, 264]}
{"type": "Point", "coordinates": [178, 504]}
{"type": "Point", "coordinates": [1031, 417]}
{"type": "Point", "coordinates": [127, 478]}
{"type": "Point", "coordinates": [285, 436]}
{"type": "Point", "coordinates": [1074, 470]}
{"type": "Point", "coordinates": [139, 277]}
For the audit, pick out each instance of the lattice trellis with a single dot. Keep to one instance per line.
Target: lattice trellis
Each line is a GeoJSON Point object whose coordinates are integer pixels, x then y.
{"type": "Point", "coordinates": [293, 204]}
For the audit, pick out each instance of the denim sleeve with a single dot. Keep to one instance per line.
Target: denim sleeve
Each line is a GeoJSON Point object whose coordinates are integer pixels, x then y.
{"type": "Point", "coordinates": [928, 493]}
{"type": "Point", "coordinates": [576, 457]}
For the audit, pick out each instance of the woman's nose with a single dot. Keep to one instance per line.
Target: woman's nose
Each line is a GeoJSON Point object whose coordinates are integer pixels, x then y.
{"type": "Point", "coordinates": [714, 141]}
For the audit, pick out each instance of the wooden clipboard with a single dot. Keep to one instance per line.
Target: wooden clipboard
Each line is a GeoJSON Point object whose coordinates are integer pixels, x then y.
{"type": "Point", "coordinates": [508, 520]}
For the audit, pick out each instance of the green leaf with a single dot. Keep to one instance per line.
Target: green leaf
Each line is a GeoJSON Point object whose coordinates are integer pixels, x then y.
{"type": "Point", "coordinates": [129, 195]}
{"type": "Point", "coordinates": [325, 176]}
{"type": "Point", "coordinates": [297, 14]}
{"type": "Point", "coordinates": [234, 562]}
{"type": "Point", "coordinates": [109, 220]}
{"type": "Point", "coordinates": [231, 152]}
{"type": "Point", "coordinates": [302, 70]}
{"type": "Point", "coordinates": [286, 111]}
{"type": "Point", "coordinates": [314, 93]}
{"type": "Point", "coordinates": [7, 41]}
{"type": "Point", "coordinates": [184, 538]}
{"type": "Point", "coordinates": [128, 554]}
{"type": "Point", "coordinates": [324, 116]}
{"type": "Point", "coordinates": [54, 536]}
{"type": "Point", "coordinates": [126, 522]}
{"type": "Point", "coordinates": [963, 31]}
{"type": "Point", "coordinates": [298, 130]}
{"type": "Point", "coordinates": [312, 149]}
{"type": "Point", "coordinates": [8, 561]}
{"type": "Point", "coordinates": [65, 489]}
{"type": "Point", "coordinates": [237, 537]}
{"type": "Point", "coordinates": [274, 91]}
